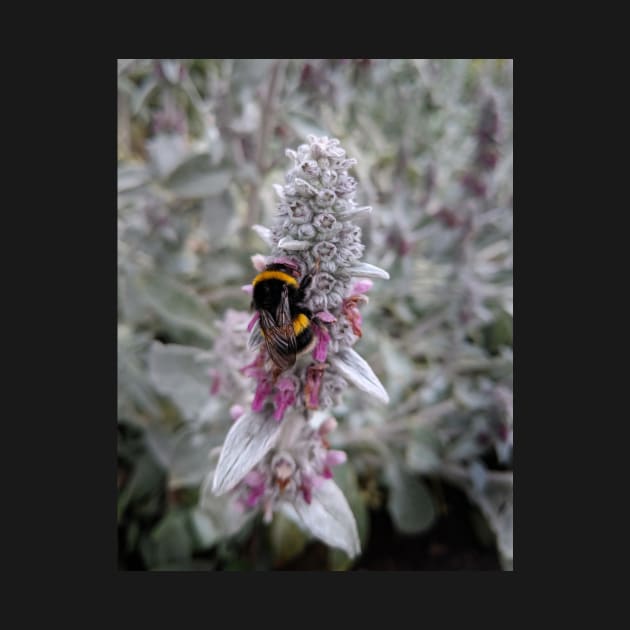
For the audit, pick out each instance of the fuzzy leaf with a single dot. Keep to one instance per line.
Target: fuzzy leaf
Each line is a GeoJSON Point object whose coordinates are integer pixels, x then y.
{"type": "Point", "coordinates": [497, 505]}
{"type": "Point", "coordinates": [409, 502]}
{"type": "Point", "coordinates": [346, 479]}
{"type": "Point", "coordinates": [176, 372]}
{"type": "Point", "coordinates": [354, 213]}
{"type": "Point", "coordinates": [131, 176]}
{"type": "Point", "coordinates": [176, 304]}
{"type": "Point", "coordinates": [225, 515]}
{"type": "Point", "coordinates": [421, 457]}
{"type": "Point", "coordinates": [291, 244]}
{"type": "Point", "coordinates": [218, 217]}
{"type": "Point", "coordinates": [170, 541]}
{"type": "Point", "coordinates": [286, 538]}
{"type": "Point", "coordinates": [354, 368]}
{"type": "Point", "coordinates": [189, 464]}
{"type": "Point", "coordinates": [196, 178]}
{"type": "Point", "coordinates": [466, 446]}
{"type": "Point", "coordinates": [422, 453]}
{"type": "Point", "coordinates": [204, 528]}
{"type": "Point", "coordinates": [328, 517]}
{"type": "Point", "coordinates": [365, 270]}
{"type": "Point", "coordinates": [304, 126]}
{"type": "Point", "coordinates": [166, 152]}
{"type": "Point", "coordinates": [142, 94]}
{"type": "Point", "coordinates": [249, 439]}
{"type": "Point", "coordinates": [264, 233]}
{"type": "Point", "coordinates": [399, 369]}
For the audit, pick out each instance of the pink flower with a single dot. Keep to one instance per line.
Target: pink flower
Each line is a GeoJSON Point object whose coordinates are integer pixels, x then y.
{"type": "Point", "coordinates": [259, 261]}
{"type": "Point", "coordinates": [255, 369]}
{"type": "Point", "coordinates": [334, 458]}
{"type": "Point", "coordinates": [307, 488]}
{"type": "Point", "coordinates": [330, 424]}
{"type": "Point", "coordinates": [263, 390]}
{"type": "Point", "coordinates": [285, 396]}
{"type": "Point", "coordinates": [283, 260]}
{"type": "Point", "coordinates": [255, 481]}
{"type": "Point", "coordinates": [313, 384]}
{"type": "Point", "coordinates": [325, 316]}
{"type": "Point", "coordinates": [321, 348]}
{"type": "Point", "coordinates": [353, 314]}
{"type": "Point", "coordinates": [216, 381]}
{"type": "Point", "coordinates": [362, 286]}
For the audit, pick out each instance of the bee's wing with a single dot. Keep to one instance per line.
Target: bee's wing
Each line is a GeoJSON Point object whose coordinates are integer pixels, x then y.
{"type": "Point", "coordinates": [278, 333]}
{"type": "Point", "coordinates": [255, 337]}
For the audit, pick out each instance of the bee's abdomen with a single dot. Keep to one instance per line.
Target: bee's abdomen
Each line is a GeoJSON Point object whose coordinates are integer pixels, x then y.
{"type": "Point", "coordinates": [300, 323]}
{"type": "Point", "coordinates": [303, 332]}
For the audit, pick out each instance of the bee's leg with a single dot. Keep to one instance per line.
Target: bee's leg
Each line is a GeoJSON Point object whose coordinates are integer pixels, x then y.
{"type": "Point", "coordinates": [275, 373]}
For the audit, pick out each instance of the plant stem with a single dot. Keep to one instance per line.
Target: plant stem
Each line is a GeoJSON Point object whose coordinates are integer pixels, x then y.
{"type": "Point", "coordinates": [253, 202]}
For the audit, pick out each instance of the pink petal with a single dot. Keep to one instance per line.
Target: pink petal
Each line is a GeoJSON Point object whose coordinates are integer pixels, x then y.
{"type": "Point", "coordinates": [282, 401]}
{"type": "Point", "coordinates": [248, 288]}
{"type": "Point", "coordinates": [325, 316]}
{"type": "Point", "coordinates": [323, 339]}
{"type": "Point", "coordinates": [285, 385]}
{"type": "Point", "coordinates": [255, 369]}
{"type": "Point", "coordinates": [259, 261]}
{"type": "Point", "coordinates": [216, 381]}
{"type": "Point", "coordinates": [334, 458]}
{"type": "Point", "coordinates": [285, 396]}
{"type": "Point", "coordinates": [307, 488]}
{"type": "Point", "coordinates": [254, 478]}
{"type": "Point", "coordinates": [236, 411]}
{"type": "Point", "coordinates": [313, 385]}
{"type": "Point", "coordinates": [262, 391]}
{"type": "Point", "coordinates": [330, 424]}
{"type": "Point", "coordinates": [283, 260]}
{"type": "Point", "coordinates": [362, 286]}
{"type": "Point", "coordinates": [351, 311]}
{"type": "Point", "coordinates": [255, 494]}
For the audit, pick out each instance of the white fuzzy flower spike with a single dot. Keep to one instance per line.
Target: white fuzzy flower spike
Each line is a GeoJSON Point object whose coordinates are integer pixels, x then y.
{"type": "Point", "coordinates": [273, 457]}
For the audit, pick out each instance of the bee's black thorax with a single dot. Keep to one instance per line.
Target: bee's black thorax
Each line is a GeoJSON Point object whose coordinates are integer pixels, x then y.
{"type": "Point", "coordinates": [267, 294]}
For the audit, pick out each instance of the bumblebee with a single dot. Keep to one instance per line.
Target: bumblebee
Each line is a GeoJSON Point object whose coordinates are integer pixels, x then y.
{"type": "Point", "coordinates": [284, 321]}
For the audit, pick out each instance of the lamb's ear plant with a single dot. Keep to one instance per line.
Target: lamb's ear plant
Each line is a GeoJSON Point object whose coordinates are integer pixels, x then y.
{"type": "Point", "coordinates": [200, 145]}
{"type": "Point", "coordinates": [276, 456]}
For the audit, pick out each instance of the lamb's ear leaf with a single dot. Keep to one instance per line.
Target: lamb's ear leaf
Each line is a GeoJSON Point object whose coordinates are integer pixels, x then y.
{"type": "Point", "coordinates": [249, 439]}
{"type": "Point", "coordinates": [328, 517]}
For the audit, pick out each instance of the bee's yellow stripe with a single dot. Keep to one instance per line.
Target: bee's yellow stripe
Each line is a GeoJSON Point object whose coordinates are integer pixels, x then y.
{"type": "Point", "coordinates": [300, 323]}
{"type": "Point", "coordinates": [275, 275]}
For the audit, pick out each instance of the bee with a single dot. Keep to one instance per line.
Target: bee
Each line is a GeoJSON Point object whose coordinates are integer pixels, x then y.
{"type": "Point", "coordinates": [284, 320]}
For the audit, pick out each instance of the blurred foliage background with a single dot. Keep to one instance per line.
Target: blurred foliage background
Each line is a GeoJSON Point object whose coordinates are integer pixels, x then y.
{"type": "Point", "coordinates": [200, 144]}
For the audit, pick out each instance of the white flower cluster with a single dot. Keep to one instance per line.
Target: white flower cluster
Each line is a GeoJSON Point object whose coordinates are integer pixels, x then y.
{"type": "Point", "coordinates": [314, 229]}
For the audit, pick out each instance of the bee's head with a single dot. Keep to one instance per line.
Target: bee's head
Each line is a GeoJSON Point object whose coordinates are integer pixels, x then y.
{"type": "Point", "coordinates": [286, 265]}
